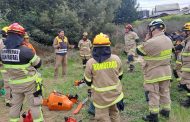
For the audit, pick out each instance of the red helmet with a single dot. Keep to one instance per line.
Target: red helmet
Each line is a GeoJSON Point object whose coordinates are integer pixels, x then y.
{"type": "Point", "coordinates": [129, 26]}
{"type": "Point", "coordinates": [16, 28]}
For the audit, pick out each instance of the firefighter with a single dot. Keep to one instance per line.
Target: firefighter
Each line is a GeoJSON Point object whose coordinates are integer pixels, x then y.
{"type": "Point", "coordinates": [27, 43]}
{"type": "Point", "coordinates": [21, 63]}
{"type": "Point", "coordinates": [103, 73]}
{"type": "Point", "coordinates": [185, 76]}
{"type": "Point", "coordinates": [3, 72]}
{"type": "Point", "coordinates": [85, 46]}
{"type": "Point", "coordinates": [156, 52]}
{"type": "Point", "coordinates": [130, 45]}
{"type": "Point", "coordinates": [61, 44]}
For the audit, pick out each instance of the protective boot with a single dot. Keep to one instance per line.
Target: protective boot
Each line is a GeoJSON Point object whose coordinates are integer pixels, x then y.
{"type": "Point", "coordinates": [165, 113]}
{"type": "Point", "coordinates": [131, 68]}
{"type": "Point", "coordinates": [186, 103]}
{"type": "Point", "coordinates": [181, 87]}
{"type": "Point", "coordinates": [151, 118]}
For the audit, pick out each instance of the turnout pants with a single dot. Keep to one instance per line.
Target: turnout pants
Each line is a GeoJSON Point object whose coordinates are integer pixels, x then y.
{"type": "Point", "coordinates": [185, 79]}
{"type": "Point", "coordinates": [158, 96]}
{"type": "Point", "coordinates": [60, 60]}
{"type": "Point", "coordinates": [110, 114]}
{"type": "Point", "coordinates": [19, 92]}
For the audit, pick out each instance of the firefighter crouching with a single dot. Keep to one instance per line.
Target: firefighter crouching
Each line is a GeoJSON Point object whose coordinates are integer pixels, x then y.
{"type": "Point", "coordinates": [157, 51]}
{"type": "Point", "coordinates": [103, 73]}
{"type": "Point", "coordinates": [20, 63]}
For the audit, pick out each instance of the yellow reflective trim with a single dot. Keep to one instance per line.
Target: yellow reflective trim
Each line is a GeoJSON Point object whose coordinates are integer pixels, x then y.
{"type": "Point", "coordinates": [158, 79]}
{"type": "Point", "coordinates": [165, 54]}
{"type": "Point", "coordinates": [85, 55]}
{"type": "Point", "coordinates": [178, 62]}
{"type": "Point", "coordinates": [14, 120]}
{"type": "Point", "coordinates": [140, 49]}
{"type": "Point", "coordinates": [185, 69]}
{"type": "Point", "coordinates": [41, 119]}
{"type": "Point", "coordinates": [87, 79]}
{"type": "Point", "coordinates": [104, 89]}
{"type": "Point", "coordinates": [105, 65]}
{"type": "Point", "coordinates": [185, 54]}
{"type": "Point", "coordinates": [33, 59]}
{"type": "Point", "coordinates": [154, 110]}
{"type": "Point", "coordinates": [178, 79]}
{"type": "Point", "coordinates": [166, 106]}
{"type": "Point", "coordinates": [25, 80]}
{"type": "Point", "coordinates": [3, 71]}
{"type": "Point", "coordinates": [9, 66]}
{"type": "Point", "coordinates": [119, 98]}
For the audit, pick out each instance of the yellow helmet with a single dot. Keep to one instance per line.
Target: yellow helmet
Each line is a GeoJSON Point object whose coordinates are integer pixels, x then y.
{"type": "Point", "coordinates": [186, 27]}
{"type": "Point", "coordinates": [26, 35]}
{"type": "Point", "coordinates": [101, 40]}
{"type": "Point", "coordinates": [85, 34]}
{"type": "Point", "coordinates": [5, 29]}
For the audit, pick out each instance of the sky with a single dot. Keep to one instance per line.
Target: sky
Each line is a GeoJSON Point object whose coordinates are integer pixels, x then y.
{"type": "Point", "coordinates": [150, 4]}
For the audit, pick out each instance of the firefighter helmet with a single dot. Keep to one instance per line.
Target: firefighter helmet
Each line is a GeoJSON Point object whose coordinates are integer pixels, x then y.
{"type": "Point", "coordinates": [158, 23]}
{"type": "Point", "coordinates": [186, 27]}
{"type": "Point", "coordinates": [129, 26]}
{"type": "Point", "coordinates": [85, 34]}
{"type": "Point", "coordinates": [16, 28]}
{"type": "Point", "coordinates": [101, 40]}
{"type": "Point", "coordinates": [5, 29]}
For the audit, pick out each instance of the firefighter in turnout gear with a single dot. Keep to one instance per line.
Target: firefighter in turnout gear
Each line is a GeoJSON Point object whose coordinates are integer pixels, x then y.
{"type": "Point", "coordinates": [103, 73]}
{"type": "Point", "coordinates": [185, 76]}
{"type": "Point", "coordinates": [156, 52]}
{"type": "Point", "coordinates": [3, 72]}
{"type": "Point", "coordinates": [85, 46]}
{"type": "Point", "coordinates": [130, 45]}
{"type": "Point", "coordinates": [20, 63]}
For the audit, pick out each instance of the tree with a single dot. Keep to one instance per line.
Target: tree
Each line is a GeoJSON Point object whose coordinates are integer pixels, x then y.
{"type": "Point", "coordinates": [127, 12]}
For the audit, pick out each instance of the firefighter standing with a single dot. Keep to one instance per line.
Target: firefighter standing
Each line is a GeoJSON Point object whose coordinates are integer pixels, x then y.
{"type": "Point", "coordinates": [103, 73]}
{"type": "Point", "coordinates": [3, 72]}
{"type": "Point", "coordinates": [85, 46]}
{"type": "Point", "coordinates": [20, 64]}
{"type": "Point", "coordinates": [185, 76]}
{"type": "Point", "coordinates": [61, 45]}
{"type": "Point", "coordinates": [157, 51]}
{"type": "Point", "coordinates": [130, 45]}
{"type": "Point", "coordinates": [27, 43]}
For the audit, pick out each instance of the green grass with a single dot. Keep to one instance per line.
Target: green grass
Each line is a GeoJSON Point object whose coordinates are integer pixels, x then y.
{"type": "Point", "coordinates": [135, 104]}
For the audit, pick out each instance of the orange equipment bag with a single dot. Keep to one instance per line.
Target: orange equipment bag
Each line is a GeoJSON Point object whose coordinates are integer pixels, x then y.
{"type": "Point", "coordinates": [58, 101]}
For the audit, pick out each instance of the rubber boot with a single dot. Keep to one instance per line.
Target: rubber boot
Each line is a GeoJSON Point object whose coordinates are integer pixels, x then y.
{"type": "Point", "coordinates": [151, 118]}
{"type": "Point", "coordinates": [165, 113]}
{"type": "Point", "coordinates": [186, 103]}
{"type": "Point", "coordinates": [181, 87]}
{"type": "Point", "coordinates": [131, 68]}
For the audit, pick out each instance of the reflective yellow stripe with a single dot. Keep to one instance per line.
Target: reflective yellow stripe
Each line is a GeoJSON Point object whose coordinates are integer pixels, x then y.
{"type": "Point", "coordinates": [41, 119]}
{"type": "Point", "coordinates": [14, 120]}
{"type": "Point", "coordinates": [165, 54]}
{"type": "Point", "coordinates": [166, 106]}
{"type": "Point", "coordinates": [159, 79]}
{"type": "Point", "coordinates": [119, 98]}
{"type": "Point", "coordinates": [140, 49]}
{"type": "Point", "coordinates": [86, 55]}
{"type": "Point", "coordinates": [188, 94]}
{"type": "Point", "coordinates": [3, 71]}
{"type": "Point", "coordinates": [178, 79]}
{"type": "Point", "coordinates": [185, 69]}
{"type": "Point", "coordinates": [104, 89]}
{"type": "Point", "coordinates": [87, 79]}
{"type": "Point", "coordinates": [25, 80]}
{"type": "Point", "coordinates": [33, 59]}
{"type": "Point", "coordinates": [23, 66]}
{"type": "Point", "coordinates": [178, 62]}
{"type": "Point", "coordinates": [154, 110]}
{"type": "Point", "coordinates": [185, 54]}
{"type": "Point", "coordinates": [158, 58]}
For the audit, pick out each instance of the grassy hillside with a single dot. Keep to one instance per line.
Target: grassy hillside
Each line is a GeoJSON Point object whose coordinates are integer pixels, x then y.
{"type": "Point", "coordinates": [135, 105]}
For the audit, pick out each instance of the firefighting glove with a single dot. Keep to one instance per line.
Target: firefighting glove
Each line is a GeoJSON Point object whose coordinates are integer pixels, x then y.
{"type": "Point", "coordinates": [120, 105]}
